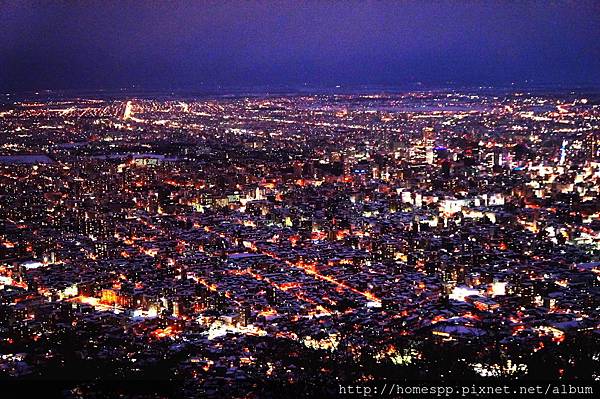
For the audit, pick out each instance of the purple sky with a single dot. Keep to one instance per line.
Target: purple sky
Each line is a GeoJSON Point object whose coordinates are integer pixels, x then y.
{"type": "Point", "coordinates": [152, 44]}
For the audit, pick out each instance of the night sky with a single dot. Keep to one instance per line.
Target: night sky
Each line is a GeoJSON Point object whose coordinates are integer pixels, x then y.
{"type": "Point", "coordinates": [156, 45]}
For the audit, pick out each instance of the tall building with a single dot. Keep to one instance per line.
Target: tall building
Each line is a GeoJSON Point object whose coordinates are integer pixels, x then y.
{"type": "Point", "coordinates": [591, 146]}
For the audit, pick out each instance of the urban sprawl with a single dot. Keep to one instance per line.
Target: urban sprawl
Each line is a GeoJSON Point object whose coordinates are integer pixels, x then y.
{"type": "Point", "coordinates": [232, 245]}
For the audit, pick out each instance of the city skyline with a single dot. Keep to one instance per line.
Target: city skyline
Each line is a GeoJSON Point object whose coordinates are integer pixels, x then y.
{"type": "Point", "coordinates": [250, 245]}
{"type": "Point", "coordinates": [299, 199]}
